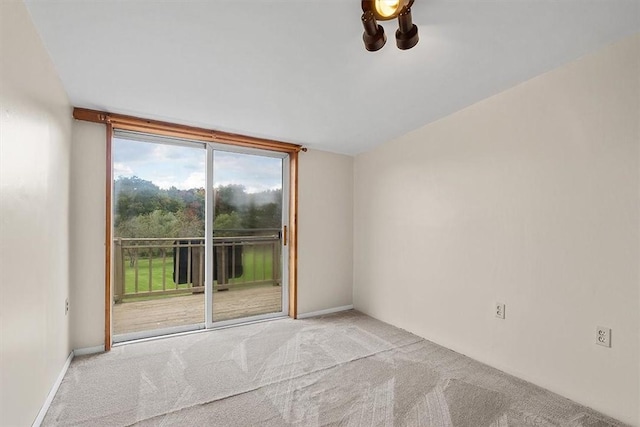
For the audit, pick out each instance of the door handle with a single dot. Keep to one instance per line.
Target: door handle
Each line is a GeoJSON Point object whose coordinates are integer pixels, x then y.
{"type": "Point", "coordinates": [284, 233]}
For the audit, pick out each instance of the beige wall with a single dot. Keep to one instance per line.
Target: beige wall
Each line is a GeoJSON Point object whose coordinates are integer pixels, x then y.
{"type": "Point", "coordinates": [325, 255]}
{"type": "Point", "coordinates": [325, 232]}
{"type": "Point", "coordinates": [528, 198]}
{"type": "Point", "coordinates": [88, 171]}
{"type": "Point", "coordinates": [35, 135]}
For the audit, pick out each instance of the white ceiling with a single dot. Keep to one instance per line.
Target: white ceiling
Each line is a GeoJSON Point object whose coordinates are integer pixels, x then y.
{"type": "Point", "coordinates": [297, 71]}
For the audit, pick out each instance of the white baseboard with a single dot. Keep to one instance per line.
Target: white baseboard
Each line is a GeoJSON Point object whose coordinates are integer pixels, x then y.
{"type": "Point", "coordinates": [88, 350]}
{"type": "Point", "coordinates": [327, 311]}
{"type": "Point", "coordinates": [52, 392]}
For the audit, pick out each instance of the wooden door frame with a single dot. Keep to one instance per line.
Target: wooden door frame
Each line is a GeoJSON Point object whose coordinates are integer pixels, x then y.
{"type": "Point", "coordinates": [154, 127]}
{"type": "Point", "coordinates": [108, 289]}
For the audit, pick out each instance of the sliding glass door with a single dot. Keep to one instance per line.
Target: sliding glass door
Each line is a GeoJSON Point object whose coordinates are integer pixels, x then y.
{"type": "Point", "coordinates": [198, 235]}
{"type": "Point", "coordinates": [248, 224]}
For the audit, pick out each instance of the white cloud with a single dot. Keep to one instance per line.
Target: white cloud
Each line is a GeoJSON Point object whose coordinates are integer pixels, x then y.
{"type": "Point", "coordinates": [120, 169]}
{"type": "Point", "coordinates": [194, 180]}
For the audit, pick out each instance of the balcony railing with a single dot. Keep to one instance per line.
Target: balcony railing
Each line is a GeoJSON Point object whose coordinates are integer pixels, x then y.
{"type": "Point", "coordinates": [155, 267]}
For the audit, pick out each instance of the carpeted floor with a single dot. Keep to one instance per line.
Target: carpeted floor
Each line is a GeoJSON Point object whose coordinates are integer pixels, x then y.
{"type": "Point", "coordinates": [345, 369]}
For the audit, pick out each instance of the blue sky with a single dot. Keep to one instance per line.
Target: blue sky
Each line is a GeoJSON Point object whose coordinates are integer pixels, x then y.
{"type": "Point", "coordinates": [184, 167]}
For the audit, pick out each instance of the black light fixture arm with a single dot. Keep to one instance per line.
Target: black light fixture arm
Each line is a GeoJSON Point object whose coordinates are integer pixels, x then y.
{"type": "Point", "coordinates": [405, 21]}
{"type": "Point", "coordinates": [407, 33]}
{"type": "Point", "coordinates": [373, 36]}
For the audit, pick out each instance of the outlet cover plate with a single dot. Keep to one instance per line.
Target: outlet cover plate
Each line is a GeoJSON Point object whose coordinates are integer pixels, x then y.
{"type": "Point", "coordinates": [500, 307]}
{"type": "Point", "coordinates": [603, 336]}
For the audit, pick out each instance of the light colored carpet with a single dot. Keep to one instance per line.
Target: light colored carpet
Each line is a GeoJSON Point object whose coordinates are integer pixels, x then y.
{"type": "Point", "coordinates": [345, 369]}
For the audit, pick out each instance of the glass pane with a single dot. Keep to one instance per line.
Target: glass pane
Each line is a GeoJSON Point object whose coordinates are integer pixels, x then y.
{"type": "Point", "coordinates": [158, 248]}
{"type": "Point", "coordinates": [247, 243]}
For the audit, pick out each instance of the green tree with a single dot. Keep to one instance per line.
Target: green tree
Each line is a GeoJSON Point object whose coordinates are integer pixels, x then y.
{"type": "Point", "coordinates": [188, 224]}
{"type": "Point", "coordinates": [135, 196]}
{"type": "Point", "coordinates": [227, 221]}
{"type": "Point", "coordinates": [230, 198]}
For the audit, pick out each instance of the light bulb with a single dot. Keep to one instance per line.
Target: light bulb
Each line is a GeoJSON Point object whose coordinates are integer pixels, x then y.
{"type": "Point", "coordinates": [387, 8]}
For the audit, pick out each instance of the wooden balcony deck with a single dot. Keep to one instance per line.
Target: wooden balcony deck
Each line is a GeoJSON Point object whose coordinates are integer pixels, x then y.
{"type": "Point", "coordinates": [135, 316]}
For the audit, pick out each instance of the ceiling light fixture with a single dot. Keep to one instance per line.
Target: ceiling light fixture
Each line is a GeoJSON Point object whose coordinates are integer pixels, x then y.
{"type": "Point", "coordinates": [385, 10]}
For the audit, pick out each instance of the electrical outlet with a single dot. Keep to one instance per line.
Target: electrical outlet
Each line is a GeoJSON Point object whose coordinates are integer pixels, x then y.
{"type": "Point", "coordinates": [66, 306]}
{"type": "Point", "coordinates": [500, 307]}
{"type": "Point", "coordinates": [603, 336]}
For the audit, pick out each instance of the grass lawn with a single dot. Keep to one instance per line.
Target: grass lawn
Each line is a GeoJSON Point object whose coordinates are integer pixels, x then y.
{"type": "Point", "coordinates": [257, 265]}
